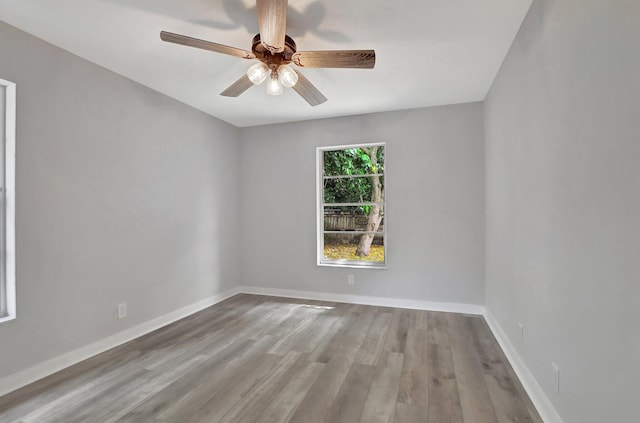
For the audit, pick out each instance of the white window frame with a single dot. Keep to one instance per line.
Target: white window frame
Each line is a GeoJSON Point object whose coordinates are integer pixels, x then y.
{"type": "Point", "coordinates": [320, 210]}
{"type": "Point", "coordinates": [7, 205]}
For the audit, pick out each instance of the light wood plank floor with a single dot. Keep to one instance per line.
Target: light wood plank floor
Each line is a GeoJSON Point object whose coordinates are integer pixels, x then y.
{"type": "Point", "coordinates": [267, 359]}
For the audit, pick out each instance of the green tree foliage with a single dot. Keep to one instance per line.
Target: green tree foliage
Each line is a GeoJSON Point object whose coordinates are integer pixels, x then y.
{"type": "Point", "coordinates": [351, 161]}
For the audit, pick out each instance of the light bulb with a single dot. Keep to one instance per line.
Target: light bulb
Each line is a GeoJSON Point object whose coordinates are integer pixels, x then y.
{"type": "Point", "coordinates": [287, 76]}
{"type": "Point", "coordinates": [274, 87]}
{"type": "Point", "coordinates": [258, 73]}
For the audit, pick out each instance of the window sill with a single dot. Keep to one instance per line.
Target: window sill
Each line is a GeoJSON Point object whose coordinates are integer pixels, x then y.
{"type": "Point", "coordinates": [7, 318]}
{"type": "Point", "coordinates": [353, 265]}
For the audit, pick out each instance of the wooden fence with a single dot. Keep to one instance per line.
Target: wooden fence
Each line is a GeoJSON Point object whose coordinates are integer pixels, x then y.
{"type": "Point", "coordinates": [337, 220]}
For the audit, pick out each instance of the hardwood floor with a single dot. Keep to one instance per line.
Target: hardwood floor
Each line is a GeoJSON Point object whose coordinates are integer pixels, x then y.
{"type": "Point", "coordinates": [267, 359]}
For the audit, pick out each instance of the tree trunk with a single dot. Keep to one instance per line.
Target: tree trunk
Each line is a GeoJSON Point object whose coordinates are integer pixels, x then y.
{"type": "Point", "coordinates": [376, 211]}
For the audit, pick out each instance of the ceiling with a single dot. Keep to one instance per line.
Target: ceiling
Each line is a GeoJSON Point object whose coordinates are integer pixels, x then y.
{"type": "Point", "coordinates": [428, 52]}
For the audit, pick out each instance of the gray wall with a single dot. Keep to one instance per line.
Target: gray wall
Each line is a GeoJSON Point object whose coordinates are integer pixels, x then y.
{"type": "Point", "coordinates": [563, 204]}
{"type": "Point", "coordinates": [123, 195]}
{"type": "Point", "coordinates": [435, 204]}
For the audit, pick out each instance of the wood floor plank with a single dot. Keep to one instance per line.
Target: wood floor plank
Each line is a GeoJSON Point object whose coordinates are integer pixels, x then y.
{"type": "Point", "coordinates": [84, 392]}
{"type": "Point", "coordinates": [444, 401]}
{"type": "Point", "coordinates": [202, 389]}
{"type": "Point", "coordinates": [397, 335]}
{"type": "Point", "coordinates": [506, 392]}
{"type": "Point", "coordinates": [99, 410]}
{"type": "Point", "coordinates": [173, 393]}
{"type": "Point", "coordinates": [300, 315]}
{"type": "Point", "coordinates": [289, 340]}
{"type": "Point", "coordinates": [322, 326]}
{"type": "Point", "coordinates": [474, 396]}
{"type": "Point", "coordinates": [406, 413]}
{"type": "Point", "coordinates": [356, 308]}
{"type": "Point", "coordinates": [347, 340]}
{"type": "Point", "coordinates": [325, 348]}
{"type": "Point", "coordinates": [418, 319]}
{"type": "Point", "coordinates": [508, 407]}
{"type": "Point", "coordinates": [522, 395]}
{"type": "Point", "coordinates": [204, 322]}
{"type": "Point", "coordinates": [381, 401]}
{"type": "Point", "coordinates": [231, 394]}
{"type": "Point", "coordinates": [480, 325]}
{"type": "Point", "coordinates": [375, 340]}
{"type": "Point", "coordinates": [61, 384]}
{"type": "Point", "coordinates": [205, 345]}
{"type": "Point", "coordinates": [348, 404]}
{"type": "Point", "coordinates": [256, 358]}
{"type": "Point", "coordinates": [253, 405]}
{"type": "Point", "coordinates": [316, 404]}
{"type": "Point", "coordinates": [277, 314]}
{"type": "Point", "coordinates": [288, 400]}
{"type": "Point", "coordinates": [414, 381]}
{"type": "Point", "coordinates": [438, 331]}
{"type": "Point", "coordinates": [63, 411]}
{"type": "Point", "coordinates": [163, 378]}
{"type": "Point", "coordinates": [341, 352]}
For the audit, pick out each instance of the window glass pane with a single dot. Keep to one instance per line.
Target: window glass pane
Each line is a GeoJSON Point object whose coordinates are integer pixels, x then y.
{"type": "Point", "coordinates": [342, 233]}
{"type": "Point", "coordinates": [354, 218]}
{"type": "Point", "coordinates": [353, 161]}
{"type": "Point", "coordinates": [342, 249]}
{"type": "Point", "coordinates": [357, 189]}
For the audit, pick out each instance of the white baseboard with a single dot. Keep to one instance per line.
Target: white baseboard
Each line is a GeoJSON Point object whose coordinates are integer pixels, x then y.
{"type": "Point", "coordinates": [530, 384]}
{"type": "Point", "coordinates": [360, 299]}
{"type": "Point", "coordinates": [51, 366]}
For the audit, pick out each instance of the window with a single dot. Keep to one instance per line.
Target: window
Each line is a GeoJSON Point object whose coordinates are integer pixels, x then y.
{"type": "Point", "coordinates": [7, 200]}
{"type": "Point", "coordinates": [351, 206]}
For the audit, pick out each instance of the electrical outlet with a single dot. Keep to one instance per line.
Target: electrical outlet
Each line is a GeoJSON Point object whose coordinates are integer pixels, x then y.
{"type": "Point", "coordinates": [122, 310]}
{"type": "Point", "coordinates": [351, 280]}
{"type": "Point", "coordinates": [556, 377]}
{"type": "Point", "coordinates": [521, 326]}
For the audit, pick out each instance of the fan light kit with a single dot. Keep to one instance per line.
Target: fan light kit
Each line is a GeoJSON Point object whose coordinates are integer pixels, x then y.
{"type": "Point", "coordinates": [275, 51]}
{"type": "Point", "coordinates": [284, 76]}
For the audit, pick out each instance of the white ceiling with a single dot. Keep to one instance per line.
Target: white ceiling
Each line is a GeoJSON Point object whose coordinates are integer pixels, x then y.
{"type": "Point", "coordinates": [428, 52]}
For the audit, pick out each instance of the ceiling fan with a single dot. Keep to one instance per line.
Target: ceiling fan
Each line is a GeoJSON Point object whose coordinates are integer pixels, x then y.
{"type": "Point", "coordinates": [275, 51]}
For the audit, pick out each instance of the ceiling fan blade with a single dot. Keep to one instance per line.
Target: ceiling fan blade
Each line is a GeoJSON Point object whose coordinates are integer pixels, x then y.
{"type": "Point", "coordinates": [205, 45]}
{"type": "Point", "coordinates": [238, 87]}
{"type": "Point", "coordinates": [361, 59]}
{"type": "Point", "coordinates": [308, 91]}
{"type": "Point", "coordinates": [272, 20]}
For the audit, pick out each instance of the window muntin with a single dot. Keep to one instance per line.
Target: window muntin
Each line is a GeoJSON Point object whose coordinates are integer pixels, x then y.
{"type": "Point", "coordinates": [7, 199]}
{"type": "Point", "coordinates": [351, 206]}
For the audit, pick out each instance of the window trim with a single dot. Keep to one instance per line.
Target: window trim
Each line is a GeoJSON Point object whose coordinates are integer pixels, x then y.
{"type": "Point", "coordinates": [320, 215]}
{"type": "Point", "coordinates": [7, 230]}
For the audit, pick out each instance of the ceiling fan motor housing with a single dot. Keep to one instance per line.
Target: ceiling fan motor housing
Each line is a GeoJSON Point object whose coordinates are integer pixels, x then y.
{"type": "Point", "coordinates": [273, 60]}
